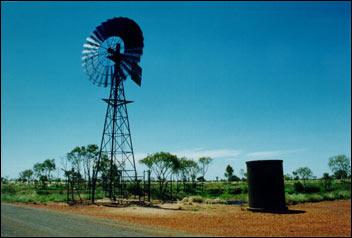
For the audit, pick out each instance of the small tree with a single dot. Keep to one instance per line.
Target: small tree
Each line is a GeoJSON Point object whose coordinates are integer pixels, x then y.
{"type": "Point", "coordinates": [229, 173]}
{"type": "Point", "coordinates": [304, 173]}
{"type": "Point", "coordinates": [340, 166]}
{"type": "Point", "coordinates": [288, 176]}
{"type": "Point", "coordinates": [39, 170]}
{"type": "Point", "coordinates": [48, 167]}
{"type": "Point", "coordinates": [204, 165]}
{"type": "Point", "coordinates": [326, 182]}
{"type": "Point", "coordinates": [5, 180]}
{"type": "Point", "coordinates": [26, 175]}
{"type": "Point", "coordinates": [91, 156]}
{"type": "Point", "coordinates": [242, 174]}
{"type": "Point", "coordinates": [193, 170]}
{"type": "Point", "coordinates": [162, 164]}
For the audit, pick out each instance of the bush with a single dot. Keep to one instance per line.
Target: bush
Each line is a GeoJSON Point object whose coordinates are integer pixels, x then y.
{"type": "Point", "coordinates": [215, 201]}
{"type": "Point", "coordinates": [215, 191]}
{"type": "Point", "coordinates": [298, 187]}
{"type": "Point", "coordinates": [235, 191]}
{"type": "Point", "coordinates": [244, 189]}
{"type": "Point", "coordinates": [289, 189]}
{"type": "Point", "coordinates": [326, 182]}
{"type": "Point", "coordinates": [315, 198]}
{"type": "Point", "coordinates": [196, 199]}
{"type": "Point", "coordinates": [192, 199]}
{"type": "Point", "coordinates": [8, 189]}
{"type": "Point", "coordinates": [343, 194]}
{"type": "Point", "coordinates": [295, 198]}
{"type": "Point", "coordinates": [238, 190]}
{"type": "Point", "coordinates": [311, 188]}
{"type": "Point", "coordinates": [42, 192]}
{"type": "Point", "coordinates": [234, 178]}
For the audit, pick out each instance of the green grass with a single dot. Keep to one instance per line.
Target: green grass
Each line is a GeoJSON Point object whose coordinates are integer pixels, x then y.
{"type": "Point", "coordinates": [314, 191]}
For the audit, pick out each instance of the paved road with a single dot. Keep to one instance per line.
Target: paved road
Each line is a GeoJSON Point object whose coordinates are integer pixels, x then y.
{"type": "Point", "coordinates": [25, 221]}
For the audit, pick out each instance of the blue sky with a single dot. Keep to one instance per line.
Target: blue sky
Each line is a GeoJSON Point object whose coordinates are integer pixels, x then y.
{"type": "Point", "coordinates": [236, 81]}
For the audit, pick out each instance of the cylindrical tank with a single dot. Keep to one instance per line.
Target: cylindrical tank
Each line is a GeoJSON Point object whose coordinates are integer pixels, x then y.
{"type": "Point", "coordinates": [266, 191]}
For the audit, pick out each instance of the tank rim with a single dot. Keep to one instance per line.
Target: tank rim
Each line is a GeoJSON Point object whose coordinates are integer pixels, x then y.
{"type": "Point", "coordinates": [263, 161]}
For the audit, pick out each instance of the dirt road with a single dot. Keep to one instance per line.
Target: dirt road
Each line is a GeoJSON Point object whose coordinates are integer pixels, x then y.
{"type": "Point", "coordinates": [329, 218]}
{"type": "Point", "coordinates": [26, 221]}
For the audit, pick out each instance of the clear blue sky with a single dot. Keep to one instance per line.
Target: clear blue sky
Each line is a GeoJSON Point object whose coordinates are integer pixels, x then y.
{"type": "Point", "coordinates": [236, 81]}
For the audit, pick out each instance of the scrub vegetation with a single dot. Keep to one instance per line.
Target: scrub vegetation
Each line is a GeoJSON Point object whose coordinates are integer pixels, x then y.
{"type": "Point", "coordinates": [172, 179]}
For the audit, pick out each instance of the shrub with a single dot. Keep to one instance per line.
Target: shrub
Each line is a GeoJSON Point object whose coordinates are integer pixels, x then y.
{"type": "Point", "coordinates": [215, 191]}
{"type": "Point", "coordinates": [311, 188]}
{"type": "Point", "coordinates": [244, 189]}
{"type": "Point", "coordinates": [235, 191]}
{"type": "Point", "coordinates": [326, 182]}
{"type": "Point", "coordinates": [298, 187]}
{"type": "Point", "coordinates": [8, 189]}
{"type": "Point", "coordinates": [215, 201]}
{"type": "Point", "coordinates": [328, 196]}
{"type": "Point", "coordinates": [289, 189]}
{"type": "Point", "coordinates": [295, 198]}
{"type": "Point", "coordinates": [42, 192]}
{"type": "Point", "coordinates": [343, 194]}
{"type": "Point", "coordinates": [196, 199]}
{"type": "Point", "coordinates": [315, 198]}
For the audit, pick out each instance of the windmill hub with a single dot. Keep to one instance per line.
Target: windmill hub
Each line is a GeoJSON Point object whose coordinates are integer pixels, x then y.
{"type": "Point", "coordinates": [115, 55]}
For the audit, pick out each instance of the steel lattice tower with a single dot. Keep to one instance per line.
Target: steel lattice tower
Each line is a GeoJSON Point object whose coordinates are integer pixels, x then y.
{"type": "Point", "coordinates": [116, 141]}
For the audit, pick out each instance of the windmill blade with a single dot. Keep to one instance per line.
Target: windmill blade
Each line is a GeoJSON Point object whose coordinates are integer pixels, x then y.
{"type": "Point", "coordinates": [106, 76]}
{"type": "Point", "coordinates": [102, 32]}
{"type": "Point", "coordinates": [93, 37]}
{"type": "Point", "coordinates": [137, 79]}
{"type": "Point", "coordinates": [102, 79]}
{"type": "Point", "coordinates": [97, 35]}
{"type": "Point", "coordinates": [92, 42]}
{"type": "Point", "coordinates": [90, 47]}
{"type": "Point", "coordinates": [134, 67]}
{"type": "Point", "coordinates": [131, 58]}
{"type": "Point", "coordinates": [89, 53]}
{"type": "Point", "coordinates": [134, 70]}
{"type": "Point", "coordinates": [134, 50]}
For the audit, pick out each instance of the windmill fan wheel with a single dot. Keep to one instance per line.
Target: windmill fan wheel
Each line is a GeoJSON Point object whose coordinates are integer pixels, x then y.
{"type": "Point", "coordinates": [113, 51]}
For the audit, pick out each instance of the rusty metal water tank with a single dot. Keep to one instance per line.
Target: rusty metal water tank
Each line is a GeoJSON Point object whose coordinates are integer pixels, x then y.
{"type": "Point", "coordinates": [266, 190]}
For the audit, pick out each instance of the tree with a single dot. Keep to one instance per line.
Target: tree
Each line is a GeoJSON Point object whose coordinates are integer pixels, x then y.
{"type": "Point", "coordinates": [26, 175]}
{"type": "Point", "coordinates": [75, 157]}
{"type": "Point", "coordinates": [38, 169]}
{"type": "Point", "coordinates": [48, 167]}
{"type": "Point", "coordinates": [242, 173]}
{"type": "Point", "coordinates": [288, 176]}
{"type": "Point", "coordinates": [90, 157]}
{"type": "Point", "coordinates": [192, 169]}
{"type": "Point", "coordinates": [162, 164]}
{"type": "Point", "coordinates": [304, 173]}
{"type": "Point", "coordinates": [4, 180]}
{"type": "Point", "coordinates": [204, 165]}
{"type": "Point", "coordinates": [340, 166]}
{"type": "Point", "coordinates": [229, 173]}
{"type": "Point", "coordinates": [326, 181]}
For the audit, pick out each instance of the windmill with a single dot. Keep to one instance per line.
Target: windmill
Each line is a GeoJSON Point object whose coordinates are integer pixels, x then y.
{"type": "Point", "coordinates": [111, 54]}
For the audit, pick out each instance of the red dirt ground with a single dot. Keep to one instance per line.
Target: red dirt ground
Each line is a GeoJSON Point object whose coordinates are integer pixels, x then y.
{"type": "Point", "coordinates": [330, 218]}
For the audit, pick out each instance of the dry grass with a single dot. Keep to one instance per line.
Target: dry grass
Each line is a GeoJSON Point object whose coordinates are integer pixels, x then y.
{"type": "Point", "coordinates": [330, 218]}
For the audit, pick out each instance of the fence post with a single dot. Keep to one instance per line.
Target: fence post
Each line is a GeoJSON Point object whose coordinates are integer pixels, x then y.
{"type": "Point", "coordinates": [171, 187]}
{"type": "Point", "coordinates": [149, 185]}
